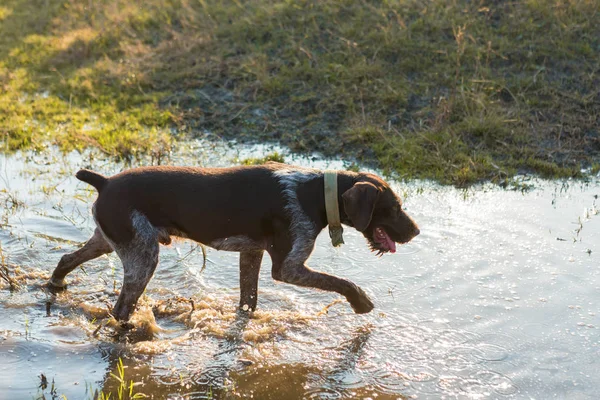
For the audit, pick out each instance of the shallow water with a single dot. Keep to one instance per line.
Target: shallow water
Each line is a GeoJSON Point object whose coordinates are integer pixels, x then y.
{"type": "Point", "coordinates": [498, 297]}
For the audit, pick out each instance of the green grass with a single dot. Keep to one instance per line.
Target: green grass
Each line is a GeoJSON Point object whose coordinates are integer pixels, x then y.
{"type": "Point", "coordinates": [455, 91]}
{"type": "Point", "coordinates": [275, 156]}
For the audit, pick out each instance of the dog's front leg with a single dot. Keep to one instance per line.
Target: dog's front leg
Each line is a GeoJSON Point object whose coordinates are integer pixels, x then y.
{"type": "Point", "coordinates": [249, 268]}
{"type": "Point", "coordinates": [297, 273]}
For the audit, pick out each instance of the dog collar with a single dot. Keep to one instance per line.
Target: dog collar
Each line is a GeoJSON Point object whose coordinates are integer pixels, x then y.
{"type": "Point", "coordinates": [332, 208]}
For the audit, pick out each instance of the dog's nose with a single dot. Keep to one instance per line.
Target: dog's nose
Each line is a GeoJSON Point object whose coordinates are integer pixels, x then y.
{"type": "Point", "coordinates": [417, 231]}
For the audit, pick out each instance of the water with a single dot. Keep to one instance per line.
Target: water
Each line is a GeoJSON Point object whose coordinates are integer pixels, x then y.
{"type": "Point", "coordinates": [498, 297]}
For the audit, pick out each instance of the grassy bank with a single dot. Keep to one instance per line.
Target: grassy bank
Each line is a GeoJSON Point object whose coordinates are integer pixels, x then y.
{"type": "Point", "coordinates": [455, 91]}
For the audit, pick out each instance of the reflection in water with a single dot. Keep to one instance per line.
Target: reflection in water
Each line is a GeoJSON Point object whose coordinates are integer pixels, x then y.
{"type": "Point", "coordinates": [216, 372]}
{"type": "Point", "coordinates": [497, 298]}
{"type": "Point", "coordinates": [336, 377]}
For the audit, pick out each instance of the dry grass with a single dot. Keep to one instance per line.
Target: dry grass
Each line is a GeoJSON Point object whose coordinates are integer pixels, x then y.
{"type": "Point", "coordinates": [5, 272]}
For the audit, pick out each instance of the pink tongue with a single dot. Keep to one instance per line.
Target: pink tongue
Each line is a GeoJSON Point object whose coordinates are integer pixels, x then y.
{"type": "Point", "coordinates": [390, 243]}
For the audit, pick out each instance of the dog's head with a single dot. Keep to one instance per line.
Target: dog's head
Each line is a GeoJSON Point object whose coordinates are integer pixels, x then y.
{"type": "Point", "coordinates": [376, 211]}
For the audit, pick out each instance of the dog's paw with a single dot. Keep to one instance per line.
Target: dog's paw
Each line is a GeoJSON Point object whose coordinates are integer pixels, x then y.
{"type": "Point", "coordinates": [56, 285]}
{"type": "Point", "coordinates": [360, 302]}
{"type": "Point", "coordinates": [125, 326]}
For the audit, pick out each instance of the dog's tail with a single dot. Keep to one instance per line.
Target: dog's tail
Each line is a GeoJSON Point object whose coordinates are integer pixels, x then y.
{"type": "Point", "coordinates": [96, 180]}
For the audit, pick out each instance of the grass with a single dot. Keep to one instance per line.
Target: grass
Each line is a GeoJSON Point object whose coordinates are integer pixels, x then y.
{"type": "Point", "coordinates": [124, 389]}
{"type": "Point", "coordinates": [5, 273]}
{"type": "Point", "coordinates": [275, 156]}
{"type": "Point", "coordinates": [455, 91]}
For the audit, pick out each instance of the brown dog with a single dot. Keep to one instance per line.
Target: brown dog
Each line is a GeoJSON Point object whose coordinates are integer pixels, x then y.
{"type": "Point", "coordinates": [274, 207]}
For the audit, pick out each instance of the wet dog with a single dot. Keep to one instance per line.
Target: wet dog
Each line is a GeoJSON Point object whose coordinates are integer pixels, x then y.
{"type": "Point", "coordinates": [274, 207]}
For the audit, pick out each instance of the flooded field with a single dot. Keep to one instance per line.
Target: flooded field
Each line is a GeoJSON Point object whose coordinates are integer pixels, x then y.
{"type": "Point", "coordinates": [498, 297]}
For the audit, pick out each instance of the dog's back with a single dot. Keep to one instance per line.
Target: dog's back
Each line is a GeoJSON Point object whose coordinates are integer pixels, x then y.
{"type": "Point", "coordinates": [203, 204]}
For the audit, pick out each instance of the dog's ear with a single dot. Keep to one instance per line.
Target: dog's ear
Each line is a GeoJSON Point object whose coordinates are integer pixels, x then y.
{"type": "Point", "coordinates": [359, 203]}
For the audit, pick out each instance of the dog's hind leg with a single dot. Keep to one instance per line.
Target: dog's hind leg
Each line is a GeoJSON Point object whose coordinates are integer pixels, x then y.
{"type": "Point", "coordinates": [249, 268]}
{"type": "Point", "coordinates": [139, 258]}
{"type": "Point", "coordinates": [138, 266]}
{"type": "Point", "coordinates": [95, 247]}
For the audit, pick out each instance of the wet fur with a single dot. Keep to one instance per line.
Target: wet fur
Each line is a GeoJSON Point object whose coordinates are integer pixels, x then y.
{"type": "Point", "coordinates": [276, 208]}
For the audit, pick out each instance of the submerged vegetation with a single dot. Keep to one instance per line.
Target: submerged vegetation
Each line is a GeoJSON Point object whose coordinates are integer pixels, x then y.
{"type": "Point", "coordinates": [455, 91]}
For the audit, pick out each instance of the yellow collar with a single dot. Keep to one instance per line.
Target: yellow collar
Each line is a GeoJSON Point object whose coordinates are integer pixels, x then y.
{"type": "Point", "coordinates": [333, 208]}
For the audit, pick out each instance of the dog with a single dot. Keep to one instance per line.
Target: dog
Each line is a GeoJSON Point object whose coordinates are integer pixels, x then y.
{"type": "Point", "coordinates": [272, 207]}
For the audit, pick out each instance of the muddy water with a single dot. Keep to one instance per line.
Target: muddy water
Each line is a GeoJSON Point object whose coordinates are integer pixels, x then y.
{"type": "Point", "coordinates": [499, 297]}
